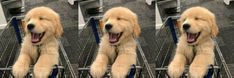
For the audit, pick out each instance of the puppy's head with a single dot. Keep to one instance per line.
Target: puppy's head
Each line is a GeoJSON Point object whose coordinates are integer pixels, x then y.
{"type": "Point", "coordinates": [198, 23]}
{"type": "Point", "coordinates": [42, 23]}
{"type": "Point", "coordinates": [120, 24]}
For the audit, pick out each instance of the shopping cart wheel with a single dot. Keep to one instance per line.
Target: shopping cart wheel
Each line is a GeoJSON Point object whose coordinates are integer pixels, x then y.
{"type": "Point", "coordinates": [132, 71]}
{"type": "Point", "coordinates": [210, 72]}
{"type": "Point", "coordinates": [54, 72]}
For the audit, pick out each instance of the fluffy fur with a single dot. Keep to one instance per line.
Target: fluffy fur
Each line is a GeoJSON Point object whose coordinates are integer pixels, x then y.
{"type": "Point", "coordinates": [40, 45]}
{"type": "Point", "coordinates": [195, 46]}
{"type": "Point", "coordinates": [120, 52]}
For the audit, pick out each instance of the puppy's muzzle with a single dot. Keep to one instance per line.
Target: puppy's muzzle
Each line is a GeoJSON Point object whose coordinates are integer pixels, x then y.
{"type": "Point", "coordinates": [186, 26]}
{"type": "Point", "coordinates": [30, 26]}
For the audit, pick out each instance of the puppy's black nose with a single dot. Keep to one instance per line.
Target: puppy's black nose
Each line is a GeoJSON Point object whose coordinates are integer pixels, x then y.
{"type": "Point", "coordinates": [186, 26]}
{"type": "Point", "coordinates": [108, 26]}
{"type": "Point", "coordinates": [30, 26]}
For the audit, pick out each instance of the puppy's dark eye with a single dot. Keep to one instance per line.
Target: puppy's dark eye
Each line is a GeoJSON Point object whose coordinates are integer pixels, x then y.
{"type": "Point", "coordinates": [41, 18]}
{"type": "Point", "coordinates": [196, 18]}
{"type": "Point", "coordinates": [118, 18]}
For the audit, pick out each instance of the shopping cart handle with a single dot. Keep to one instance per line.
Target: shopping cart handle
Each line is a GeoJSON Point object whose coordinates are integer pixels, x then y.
{"type": "Point", "coordinates": [132, 72]}
{"type": "Point", "coordinates": [210, 72]}
{"type": "Point", "coordinates": [54, 72]}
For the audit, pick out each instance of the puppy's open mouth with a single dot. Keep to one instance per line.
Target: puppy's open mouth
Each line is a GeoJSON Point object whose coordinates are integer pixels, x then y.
{"type": "Point", "coordinates": [36, 37]}
{"type": "Point", "coordinates": [192, 37]}
{"type": "Point", "coordinates": [114, 37]}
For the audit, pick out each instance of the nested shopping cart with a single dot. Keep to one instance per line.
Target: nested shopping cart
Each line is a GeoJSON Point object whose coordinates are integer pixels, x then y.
{"type": "Point", "coordinates": [89, 37]}
{"type": "Point", "coordinates": [166, 39]}
{"type": "Point", "coordinates": [10, 40]}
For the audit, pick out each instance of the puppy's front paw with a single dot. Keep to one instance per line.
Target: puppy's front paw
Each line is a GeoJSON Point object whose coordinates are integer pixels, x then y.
{"type": "Point", "coordinates": [42, 72]}
{"type": "Point", "coordinates": [175, 70]}
{"type": "Point", "coordinates": [20, 70]}
{"type": "Point", "coordinates": [196, 71]}
{"type": "Point", "coordinates": [120, 71]}
{"type": "Point", "coordinates": [97, 70]}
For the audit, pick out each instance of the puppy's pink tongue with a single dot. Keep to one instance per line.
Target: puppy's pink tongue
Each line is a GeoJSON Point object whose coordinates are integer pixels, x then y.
{"type": "Point", "coordinates": [191, 37]}
{"type": "Point", "coordinates": [113, 38]}
{"type": "Point", "coordinates": [35, 37]}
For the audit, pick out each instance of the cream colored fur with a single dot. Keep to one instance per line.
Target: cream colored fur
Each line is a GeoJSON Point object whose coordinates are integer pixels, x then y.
{"type": "Point", "coordinates": [200, 54]}
{"type": "Point", "coordinates": [44, 54]}
{"type": "Point", "coordinates": [122, 54]}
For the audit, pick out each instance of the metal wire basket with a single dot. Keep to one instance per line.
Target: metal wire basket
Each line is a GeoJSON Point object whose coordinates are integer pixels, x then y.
{"type": "Point", "coordinates": [9, 46]}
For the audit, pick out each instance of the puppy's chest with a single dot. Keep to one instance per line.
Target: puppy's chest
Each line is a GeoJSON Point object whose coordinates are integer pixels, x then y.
{"type": "Point", "coordinates": [191, 53]}
{"type": "Point", "coordinates": [115, 52]}
{"type": "Point", "coordinates": [37, 53]}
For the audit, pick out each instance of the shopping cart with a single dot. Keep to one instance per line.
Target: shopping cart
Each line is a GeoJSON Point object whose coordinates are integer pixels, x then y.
{"type": "Point", "coordinates": [9, 46]}
{"type": "Point", "coordinates": [166, 39]}
{"type": "Point", "coordinates": [89, 37]}
{"type": "Point", "coordinates": [10, 40]}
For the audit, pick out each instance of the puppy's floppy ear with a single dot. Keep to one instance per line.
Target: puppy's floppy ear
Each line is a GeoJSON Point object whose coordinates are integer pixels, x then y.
{"type": "Point", "coordinates": [101, 25]}
{"type": "Point", "coordinates": [214, 27]}
{"type": "Point", "coordinates": [23, 25]}
{"type": "Point", "coordinates": [58, 27]}
{"type": "Point", "coordinates": [179, 25]}
{"type": "Point", "coordinates": [136, 27]}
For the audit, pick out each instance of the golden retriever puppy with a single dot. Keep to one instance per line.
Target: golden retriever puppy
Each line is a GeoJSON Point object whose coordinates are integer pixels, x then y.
{"type": "Point", "coordinates": [117, 46]}
{"type": "Point", "coordinates": [196, 46]}
{"type": "Point", "coordinates": [40, 45]}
